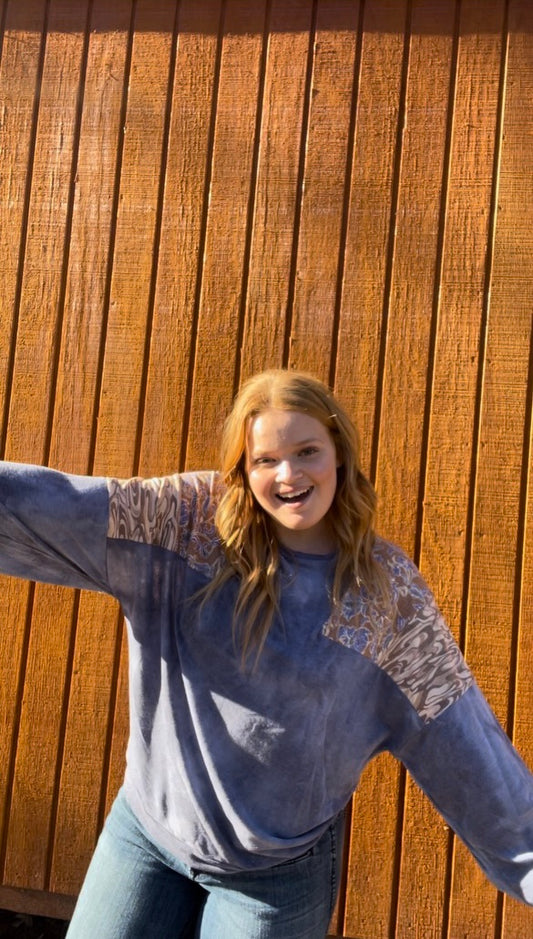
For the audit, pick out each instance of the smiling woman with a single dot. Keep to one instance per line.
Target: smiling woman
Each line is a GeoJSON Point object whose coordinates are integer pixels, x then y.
{"type": "Point", "coordinates": [291, 464]}
{"type": "Point", "coordinates": [285, 423]}
{"type": "Point", "coordinates": [276, 645]}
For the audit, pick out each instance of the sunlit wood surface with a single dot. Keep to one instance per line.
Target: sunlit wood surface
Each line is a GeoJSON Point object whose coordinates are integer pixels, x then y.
{"type": "Point", "coordinates": [192, 191]}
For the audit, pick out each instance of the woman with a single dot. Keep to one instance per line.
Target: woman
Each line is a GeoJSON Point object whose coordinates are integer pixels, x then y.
{"type": "Point", "coordinates": [276, 645]}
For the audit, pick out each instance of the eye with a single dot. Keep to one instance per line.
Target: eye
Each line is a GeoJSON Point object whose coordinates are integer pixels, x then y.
{"type": "Point", "coordinates": [263, 460]}
{"type": "Point", "coordinates": [308, 451]}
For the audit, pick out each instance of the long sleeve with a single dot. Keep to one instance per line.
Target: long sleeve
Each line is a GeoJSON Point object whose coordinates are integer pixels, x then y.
{"type": "Point", "coordinates": [446, 734]}
{"type": "Point", "coordinates": [468, 767]}
{"type": "Point", "coordinates": [53, 526]}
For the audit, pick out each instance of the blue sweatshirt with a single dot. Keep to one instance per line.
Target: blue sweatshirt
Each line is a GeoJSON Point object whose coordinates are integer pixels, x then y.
{"type": "Point", "coordinates": [234, 769]}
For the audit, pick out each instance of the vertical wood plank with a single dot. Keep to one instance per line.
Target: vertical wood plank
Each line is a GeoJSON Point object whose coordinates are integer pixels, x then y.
{"type": "Point", "coordinates": [136, 236]}
{"type": "Point", "coordinates": [39, 734]}
{"type": "Point", "coordinates": [91, 239]}
{"type": "Point", "coordinates": [325, 176]}
{"type": "Point", "coordinates": [32, 221]}
{"type": "Point", "coordinates": [462, 305]}
{"type": "Point", "coordinates": [181, 245]}
{"type": "Point", "coordinates": [19, 77]}
{"type": "Point", "coordinates": [93, 686]}
{"type": "Point", "coordinates": [19, 80]}
{"type": "Point", "coordinates": [462, 295]}
{"type": "Point", "coordinates": [42, 705]}
{"type": "Point", "coordinates": [409, 321]}
{"type": "Point", "coordinates": [84, 323]}
{"type": "Point", "coordinates": [3, 11]}
{"type": "Point", "coordinates": [39, 739]}
{"type": "Point", "coordinates": [461, 325]}
{"type": "Point", "coordinates": [495, 579]}
{"type": "Point", "coordinates": [182, 237]}
{"type": "Point", "coordinates": [489, 646]}
{"type": "Point", "coordinates": [371, 868]}
{"type": "Point", "coordinates": [405, 378]}
{"type": "Point", "coordinates": [91, 697]}
{"type": "Point", "coordinates": [219, 321]}
{"type": "Point", "coordinates": [372, 196]}
{"type": "Point", "coordinates": [34, 371]}
{"type": "Point", "coordinates": [276, 205]}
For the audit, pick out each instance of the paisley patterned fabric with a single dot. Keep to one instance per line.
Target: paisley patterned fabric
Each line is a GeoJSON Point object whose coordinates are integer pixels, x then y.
{"type": "Point", "coordinates": [412, 644]}
{"type": "Point", "coordinates": [235, 770]}
{"type": "Point", "coordinates": [173, 512]}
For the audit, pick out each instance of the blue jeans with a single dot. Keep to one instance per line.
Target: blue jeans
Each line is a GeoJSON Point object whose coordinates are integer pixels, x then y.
{"type": "Point", "coordinates": [135, 889]}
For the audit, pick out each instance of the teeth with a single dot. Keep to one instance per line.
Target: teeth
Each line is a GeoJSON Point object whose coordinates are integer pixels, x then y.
{"type": "Point", "coordinates": [292, 496]}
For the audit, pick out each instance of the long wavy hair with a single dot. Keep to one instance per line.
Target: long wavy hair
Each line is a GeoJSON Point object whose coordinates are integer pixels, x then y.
{"type": "Point", "coordinates": [247, 533]}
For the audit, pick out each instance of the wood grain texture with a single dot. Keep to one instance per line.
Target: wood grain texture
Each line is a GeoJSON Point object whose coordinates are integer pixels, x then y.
{"type": "Point", "coordinates": [136, 237]}
{"type": "Point", "coordinates": [20, 76]}
{"type": "Point", "coordinates": [74, 429]}
{"type": "Point", "coordinates": [497, 590]}
{"type": "Point", "coordinates": [39, 735]}
{"type": "Point", "coordinates": [190, 192]}
{"type": "Point", "coordinates": [232, 185]}
{"type": "Point", "coordinates": [371, 882]}
{"type": "Point", "coordinates": [406, 382]}
{"type": "Point", "coordinates": [19, 81]}
{"type": "Point", "coordinates": [324, 186]}
{"type": "Point", "coordinates": [281, 157]}
{"type": "Point", "coordinates": [462, 290]}
{"type": "Point", "coordinates": [182, 238]}
{"type": "Point", "coordinates": [98, 638]}
{"type": "Point", "coordinates": [39, 315]}
{"type": "Point", "coordinates": [372, 208]}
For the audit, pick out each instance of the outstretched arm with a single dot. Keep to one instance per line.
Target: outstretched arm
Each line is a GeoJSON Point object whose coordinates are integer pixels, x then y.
{"type": "Point", "coordinates": [53, 526]}
{"type": "Point", "coordinates": [468, 767]}
{"type": "Point", "coordinates": [453, 745]}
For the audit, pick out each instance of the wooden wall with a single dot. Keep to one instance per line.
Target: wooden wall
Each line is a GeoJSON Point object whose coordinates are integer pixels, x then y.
{"type": "Point", "coordinates": [189, 192]}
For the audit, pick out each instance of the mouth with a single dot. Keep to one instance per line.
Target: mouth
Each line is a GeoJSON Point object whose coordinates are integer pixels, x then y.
{"type": "Point", "coordinates": [289, 498]}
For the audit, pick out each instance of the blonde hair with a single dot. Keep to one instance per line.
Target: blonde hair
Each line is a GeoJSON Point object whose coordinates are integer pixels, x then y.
{"type": "Point", "coordinates": [247, 533]}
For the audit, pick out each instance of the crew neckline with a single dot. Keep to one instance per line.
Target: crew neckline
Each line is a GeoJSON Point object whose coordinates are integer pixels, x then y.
{"type": "Point", "coordinates": [306, 555]}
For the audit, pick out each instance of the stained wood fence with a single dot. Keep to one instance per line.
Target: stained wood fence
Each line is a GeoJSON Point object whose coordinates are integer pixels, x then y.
{"type": "Point", "coordinates": [190, 192]}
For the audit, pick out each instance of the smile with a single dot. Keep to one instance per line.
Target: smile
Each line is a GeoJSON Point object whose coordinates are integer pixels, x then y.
{"type": "Point", "coordinates": [298, 496]}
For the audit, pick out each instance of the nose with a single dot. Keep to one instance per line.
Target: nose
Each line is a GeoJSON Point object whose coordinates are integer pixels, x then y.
{"type": "Point", "coordinates": [287, 471]}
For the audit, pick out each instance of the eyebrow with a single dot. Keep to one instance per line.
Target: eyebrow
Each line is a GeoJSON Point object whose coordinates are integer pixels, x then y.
{"type": "Point", "coordinates": [299, 443]}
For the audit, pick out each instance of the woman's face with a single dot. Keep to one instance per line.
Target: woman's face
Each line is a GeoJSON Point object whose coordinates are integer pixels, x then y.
{"type": "Point", "coordinates": [291, 465]}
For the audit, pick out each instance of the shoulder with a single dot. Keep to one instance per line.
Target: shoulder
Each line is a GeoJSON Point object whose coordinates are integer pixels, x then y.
{"type": "Point", "coordinates": [164, 510]}
{"type": "Point", "coordinates": [420, 652]}
{"type": "Point", "coordinates": [399, 568]}
{"type": "Point", "coordinates": [406, 636]}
